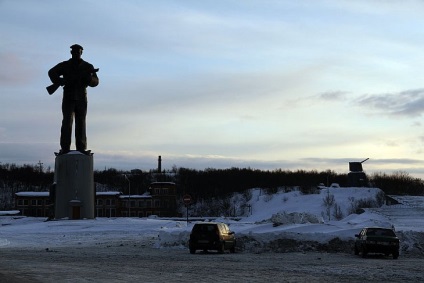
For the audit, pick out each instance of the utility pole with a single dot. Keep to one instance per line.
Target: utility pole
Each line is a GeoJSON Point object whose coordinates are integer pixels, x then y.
{"type": "Point", "coordinates": [40, 164]}
{"type": "Point", "coordinates": [129, 195]}
{"type": "Point", "coordinates": [40, 169]}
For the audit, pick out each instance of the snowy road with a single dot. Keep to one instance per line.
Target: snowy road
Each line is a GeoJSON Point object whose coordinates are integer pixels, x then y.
{"type": "Point", "coordinates": [134, 262]}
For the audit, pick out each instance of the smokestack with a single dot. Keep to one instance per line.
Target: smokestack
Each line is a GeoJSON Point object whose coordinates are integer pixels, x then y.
{"type": "Point", "coordinates": [159, 164]}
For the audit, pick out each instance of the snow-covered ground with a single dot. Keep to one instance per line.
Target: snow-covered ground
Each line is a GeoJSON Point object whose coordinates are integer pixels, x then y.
{"type": "Point", "coordinates": [294, 216]}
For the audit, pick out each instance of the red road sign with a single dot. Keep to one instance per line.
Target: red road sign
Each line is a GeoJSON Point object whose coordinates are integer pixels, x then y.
{"type": "Point", "coordinates": [187, 199]}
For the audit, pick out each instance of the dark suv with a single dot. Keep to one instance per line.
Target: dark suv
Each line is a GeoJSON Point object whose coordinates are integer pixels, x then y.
{"type": "Point", "coordinates": [212, 236]}
{"type": "Point", "coordinates": [377, 240]}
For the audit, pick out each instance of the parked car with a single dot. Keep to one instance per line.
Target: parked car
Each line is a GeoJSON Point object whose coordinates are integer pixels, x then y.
{"type": "Point", "coordinates": [377, 240]}
{"type": "Point", "coordinates": [212, 236]}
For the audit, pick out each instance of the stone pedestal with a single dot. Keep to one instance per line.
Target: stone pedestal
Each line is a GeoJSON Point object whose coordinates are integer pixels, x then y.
{"type": "Point", "coordinates": [357, 179]}
{"type": "Point", "coordinates": [75, 191]}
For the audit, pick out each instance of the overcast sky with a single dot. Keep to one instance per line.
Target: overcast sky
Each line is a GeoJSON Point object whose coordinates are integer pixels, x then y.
{"type": "Point", "coordinates": [219, 84]}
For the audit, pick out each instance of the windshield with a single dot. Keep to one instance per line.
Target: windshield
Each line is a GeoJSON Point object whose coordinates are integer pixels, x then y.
{"type": "Point", "coordinates": [204, 228]}
{"type": "Point", "coordinates": [380, 232]}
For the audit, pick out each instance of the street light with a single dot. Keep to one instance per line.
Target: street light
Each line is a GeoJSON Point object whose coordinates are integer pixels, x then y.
{"type": "Point", "coordinates": [129, 193]}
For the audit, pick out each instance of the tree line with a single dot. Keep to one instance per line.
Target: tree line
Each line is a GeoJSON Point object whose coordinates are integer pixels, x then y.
{"type": "Point", "coordinates": [200, 184]}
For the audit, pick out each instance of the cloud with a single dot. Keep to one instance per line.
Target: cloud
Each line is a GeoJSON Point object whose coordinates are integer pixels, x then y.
{"type": "Point", "coordinates": [333, 95]}
{"type": "Point", "coordinates": [409, 103]}
{"type": "Point", "coordinates": [407, 161]}
{"type": "Point", "coordinates": [15, 70]}
{"type": "Point", "coordinates": [32, 153]}
{"type": "Point", "coordinates": [373, 165]}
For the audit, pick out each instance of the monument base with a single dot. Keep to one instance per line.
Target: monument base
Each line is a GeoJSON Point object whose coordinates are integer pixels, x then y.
{"type": "Point", "coordinates": [357, 179]}
{"type": "Point", "coordinates": [75, 191]}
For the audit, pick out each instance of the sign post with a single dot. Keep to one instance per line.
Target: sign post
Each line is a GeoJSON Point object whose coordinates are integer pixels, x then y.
{"type": "Point", "coordinates": [187, 201]}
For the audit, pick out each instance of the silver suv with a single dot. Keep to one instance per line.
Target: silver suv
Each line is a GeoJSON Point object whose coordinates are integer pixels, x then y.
{"type": "Point", "coordinates": [212, 236]}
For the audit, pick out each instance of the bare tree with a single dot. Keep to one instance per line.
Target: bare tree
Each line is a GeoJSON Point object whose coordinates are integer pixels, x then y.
{"type": "Point", "coordinates": [328, 202]}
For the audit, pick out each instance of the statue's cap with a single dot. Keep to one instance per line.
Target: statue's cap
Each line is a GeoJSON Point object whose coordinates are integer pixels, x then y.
{"type": "Point", "coordinates": [77, 47]}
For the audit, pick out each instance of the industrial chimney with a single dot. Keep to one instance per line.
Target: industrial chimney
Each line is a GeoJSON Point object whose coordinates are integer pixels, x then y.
{"type": "Point", "coordinates": [159, 164]}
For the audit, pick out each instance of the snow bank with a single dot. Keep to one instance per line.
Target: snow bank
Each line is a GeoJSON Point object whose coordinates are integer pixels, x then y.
{"type": "Point", "coordinates": [281, 222]}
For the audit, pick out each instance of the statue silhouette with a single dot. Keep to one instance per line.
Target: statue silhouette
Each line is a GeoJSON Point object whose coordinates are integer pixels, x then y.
{"type": "Point", "coordinates": [75, 75]}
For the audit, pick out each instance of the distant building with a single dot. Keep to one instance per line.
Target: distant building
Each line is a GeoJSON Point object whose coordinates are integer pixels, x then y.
{"type": "Point", "coordinates": [107, 204]}
{"type": "Point", "coordinates": [164, 198]}
{"type": "Point", "coordinates": [160, 199]}
{"type": "Point", "coordinates": [35, 204]}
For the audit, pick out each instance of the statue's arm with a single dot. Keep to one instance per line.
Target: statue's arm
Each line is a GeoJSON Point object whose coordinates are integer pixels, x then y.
{"type": "Point", "coordinates": [55, 74]}
{"type": "Point", "coordinates": [94, 80]}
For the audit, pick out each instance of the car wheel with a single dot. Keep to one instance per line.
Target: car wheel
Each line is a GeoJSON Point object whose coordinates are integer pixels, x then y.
{"type": "Point", "coordinates": [233, 248]}
{"type": "Point", "coordinates": [395, 255]}
{"type": "Point", "coordinates": [192, 249]}
{"type": "Point", "coordinates": [355, 250]}
{"type": "Point", "coordinates": [222, 248]}
{"type": "Point", "coordinates": [364, 252]}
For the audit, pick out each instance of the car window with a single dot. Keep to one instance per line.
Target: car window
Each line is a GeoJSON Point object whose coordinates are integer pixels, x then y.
{"type": "Point", "coordinates": [370, 232]}
{"type": "Point", "coordinates": [205, 228]}
{"type": "Point", "coordinates": [389, 232]}
{"type": "Point", "coordinates": [381, 232]}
